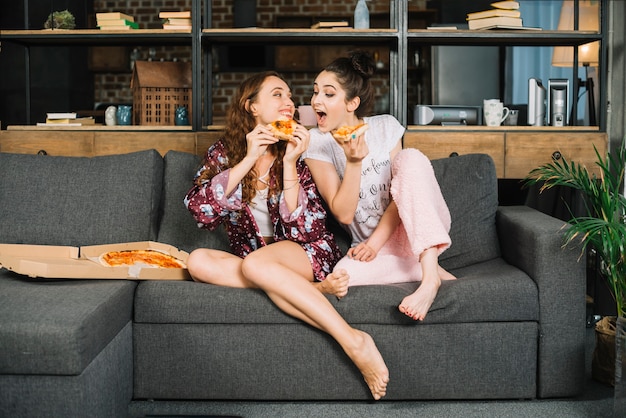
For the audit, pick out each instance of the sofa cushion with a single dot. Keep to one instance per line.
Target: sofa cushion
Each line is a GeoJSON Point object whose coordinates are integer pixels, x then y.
{"type": "Point", "coordinates": [479, 295]}
{"type": "Point", "coordinates": [57, 327]}
{"type": "Point", "coordinates": [177, 226]}
{"type": "Point", "coordinates": [79, 201]}
{"type": "Point", "coordinates": [470, 187]}
{"type": "Point", "coordinates": [103, 390]}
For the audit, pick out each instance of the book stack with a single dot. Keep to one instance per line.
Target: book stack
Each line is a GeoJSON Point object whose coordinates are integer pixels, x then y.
{"type": "Point", "coordinates": [66, 119]}
{"type": "Point", "coordinates": [330, 24]}
{"type": "Point", "coordinates": [504, 15]}
{"type": "Point", "coordinates": [176, 20]}
{"type": "Point", "coordinates": [115, 21]}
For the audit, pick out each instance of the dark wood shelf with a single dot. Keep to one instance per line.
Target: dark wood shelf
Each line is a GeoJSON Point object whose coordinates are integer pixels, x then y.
{"type": "Point", "coordinates": [118, 128]}
{"type": "Point", "coordinates": [257, 35]}
{"type": "Point", "coordinates": [96, 37]}
{"type": "Point", "coordinates": [502, 128]}
{"type": "Point", "coordinates": [297, 35]}
{"type": "Point", "coordinates": [520, 37]}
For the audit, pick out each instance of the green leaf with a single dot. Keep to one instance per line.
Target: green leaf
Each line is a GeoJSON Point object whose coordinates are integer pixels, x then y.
{"type": "Point", "coordinates": [604, 227]}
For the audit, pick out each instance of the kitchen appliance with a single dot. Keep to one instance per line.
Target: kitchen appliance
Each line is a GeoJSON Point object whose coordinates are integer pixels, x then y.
{"type": "Point", "coordinates": [536, 102]}
{"type": "Point", "coordinates": [558, 101]}
{"type": "Point", "coordinates": [447, 115]}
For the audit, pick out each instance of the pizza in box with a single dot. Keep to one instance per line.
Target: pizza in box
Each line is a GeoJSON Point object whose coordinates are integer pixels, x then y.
{"type": "Point", "coordinates": [150, 257]}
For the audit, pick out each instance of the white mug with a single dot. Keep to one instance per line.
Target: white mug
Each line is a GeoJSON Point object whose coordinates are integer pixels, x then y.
{"type": "Point", "coordinates": [494, 112]}
{"type": "Point", "coordinates": [307, 115]}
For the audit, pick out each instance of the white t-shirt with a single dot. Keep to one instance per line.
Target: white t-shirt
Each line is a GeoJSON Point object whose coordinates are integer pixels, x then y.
{"type": "Point", "coordinates": [374, 195]}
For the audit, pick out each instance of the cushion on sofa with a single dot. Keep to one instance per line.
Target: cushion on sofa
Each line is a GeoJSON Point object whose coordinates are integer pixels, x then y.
{"type": "Point", "coordinates": [79, 201]}
{"type": "Point", "coordinates": [177, 226]}
{"type": "Point", "coordinates": [57, 327]}
{"type": "Point", "coordinates": [478, 296]}
{"type": "Point", "coordinates": [470, 187]}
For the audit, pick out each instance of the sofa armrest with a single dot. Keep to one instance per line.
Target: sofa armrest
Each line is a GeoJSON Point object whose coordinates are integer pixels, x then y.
{"type": "Point", "coordinates": [533, 242]}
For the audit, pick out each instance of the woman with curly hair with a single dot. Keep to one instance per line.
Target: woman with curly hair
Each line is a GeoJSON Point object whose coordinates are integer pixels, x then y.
{"type": "Point", "coordinates": [262, 190]}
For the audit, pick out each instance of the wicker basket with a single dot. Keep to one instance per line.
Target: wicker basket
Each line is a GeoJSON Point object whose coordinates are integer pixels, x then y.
{"type": "Point", "coordinates": [603, 360]}
{"type": "Point", "coordinates": [158, 89]}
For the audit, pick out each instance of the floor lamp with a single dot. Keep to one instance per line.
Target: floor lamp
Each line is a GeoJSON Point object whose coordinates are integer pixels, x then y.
{"type": "Point", "coordinates": [588, 54]}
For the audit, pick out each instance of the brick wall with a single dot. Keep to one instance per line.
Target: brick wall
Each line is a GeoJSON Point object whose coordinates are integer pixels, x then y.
{"type": "Point", "coordinates": [115, 87]}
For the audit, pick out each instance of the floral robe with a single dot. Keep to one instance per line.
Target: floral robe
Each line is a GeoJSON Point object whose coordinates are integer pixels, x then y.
{"type": "Point", "coordinates": [306, 225]}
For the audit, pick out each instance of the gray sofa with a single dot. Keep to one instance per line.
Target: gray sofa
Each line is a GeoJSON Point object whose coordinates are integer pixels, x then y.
{"type": "Point", "coordinates": [512, 326]}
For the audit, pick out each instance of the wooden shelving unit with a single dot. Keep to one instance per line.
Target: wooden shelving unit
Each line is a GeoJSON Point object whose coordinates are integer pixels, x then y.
{"type": "Point", "coordinates": [398, 39]}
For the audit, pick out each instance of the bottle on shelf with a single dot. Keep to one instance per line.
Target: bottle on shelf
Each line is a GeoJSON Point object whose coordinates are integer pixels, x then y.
{"type": "Point", "coordinates": [361, 15]}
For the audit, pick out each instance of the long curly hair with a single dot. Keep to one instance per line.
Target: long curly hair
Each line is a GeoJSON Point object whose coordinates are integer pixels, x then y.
{"type": "Point", "coordinates": [239, 122]}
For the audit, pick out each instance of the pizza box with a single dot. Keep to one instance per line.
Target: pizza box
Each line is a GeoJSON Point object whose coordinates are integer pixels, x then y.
{"type": "Point", "coordinates": [65, 262]}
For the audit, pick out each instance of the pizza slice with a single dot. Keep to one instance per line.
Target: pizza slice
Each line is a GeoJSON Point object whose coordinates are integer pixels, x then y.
{"type": "Point", "coordinates": [347, 133]}
{"type": "Point", "coordinates": [283, 129]}
{"type": "Point", "coordinates": [130, 257]}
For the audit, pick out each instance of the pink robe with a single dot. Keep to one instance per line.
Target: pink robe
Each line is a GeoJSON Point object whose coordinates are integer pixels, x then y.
{"type": "Point", "coordinates": [425, 223]}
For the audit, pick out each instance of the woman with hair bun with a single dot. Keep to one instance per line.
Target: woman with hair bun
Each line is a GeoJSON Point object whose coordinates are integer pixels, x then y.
{"type": "Point", "coordinates": [387, 197]}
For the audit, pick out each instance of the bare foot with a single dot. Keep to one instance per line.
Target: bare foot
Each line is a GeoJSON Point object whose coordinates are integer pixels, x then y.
{"type": "Point", "coordinates": [444, 274]}
{"type": "Point", "coordinates": [368, 359]}
{"type": "Point", "coordinates": [417, 304]}
{"type": "Point", "coordinates": [336, 283]}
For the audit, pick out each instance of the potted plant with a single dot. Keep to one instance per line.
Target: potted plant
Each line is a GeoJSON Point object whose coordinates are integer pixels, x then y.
{"type": "Point", "coordinates": [602, 229]}
{"type": "Point", "coordinates": [60, 20]}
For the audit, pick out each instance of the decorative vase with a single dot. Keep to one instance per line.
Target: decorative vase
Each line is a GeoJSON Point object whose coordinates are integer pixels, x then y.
{"type": "Point", "coordinates": [110, 118]}
{"type": "Point", "coordinates": [181, 116]}
{"type": "Point", "coordinates": [619, 406]}
{"type": "Point", "coordinates": [361, 15]}
{"type": "Point", "coordinates": [124, 115]}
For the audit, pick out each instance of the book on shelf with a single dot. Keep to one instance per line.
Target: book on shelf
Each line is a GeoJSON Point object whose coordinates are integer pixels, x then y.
{"type": "Point", "coordinates": [496, 21]}
{"type": "Point", "coordinates": [113, 16]}
{"type": "Point", "coordinates": [506, 4]}
{"type": "Point", "coordinates": [117, 27]}
{"type": "Point", "coordinates": [117, 22]}
{"type": "Point", "coordinates": [494, 13]}
{"type": "Point", "coordinates": [330, 24]}
{"type": "Point", "coordinates": [168, 26]}
{"type": "Point", "coordinates": [442, 27]}
{"type": "Point", "coordinates": [511, 27]}
{"type": "Point", "coordinates": [61, 125]}
{"type": "Point", "coordinates": [61, 115]}
{"type": "Point", "coordinates": [76, 121]}
{"type": "Point", "coordinates": [175, 15]}
{"type": "Point", "coordinates": [178, 21]}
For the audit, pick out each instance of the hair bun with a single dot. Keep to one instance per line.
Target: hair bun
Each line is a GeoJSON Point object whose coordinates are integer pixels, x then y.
{"type": "Point", "coordinates": [363, 63]}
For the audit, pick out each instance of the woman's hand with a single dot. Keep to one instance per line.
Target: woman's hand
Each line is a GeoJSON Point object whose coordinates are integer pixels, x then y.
{"type": "Point", "coordinates": [362, 252]}
{"type": "Point", "coordinates": [355, 149]}
{"type": "Point", "coordinates": [258, 140]}
{"type": "Point", "coordinates": [298, 145]}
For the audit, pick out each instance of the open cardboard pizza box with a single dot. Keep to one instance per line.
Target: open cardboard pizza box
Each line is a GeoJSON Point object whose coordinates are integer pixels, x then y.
{"type": "Point", "coordinates": [64, 262]}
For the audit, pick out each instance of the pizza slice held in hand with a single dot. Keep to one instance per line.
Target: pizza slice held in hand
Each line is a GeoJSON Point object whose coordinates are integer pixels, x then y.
{"type": "Point", "coordinates": [283, 129]}
{"type": "Point", "coordinates": [348, 133]}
